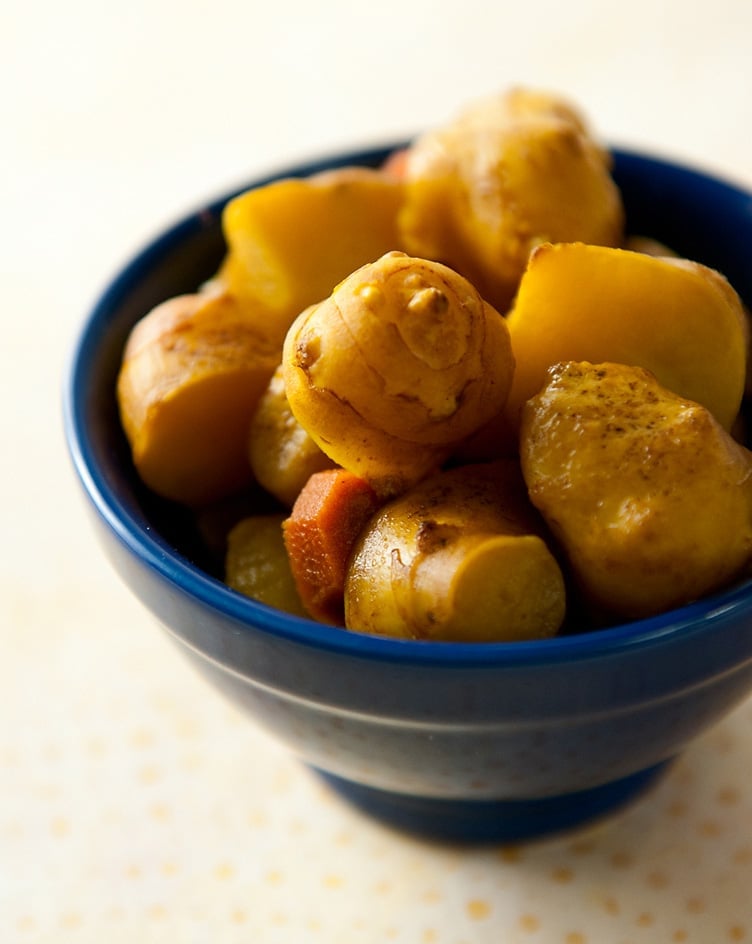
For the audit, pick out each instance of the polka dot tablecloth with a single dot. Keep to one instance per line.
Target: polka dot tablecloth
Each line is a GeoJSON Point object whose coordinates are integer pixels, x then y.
{"type": "Point", "coordinates": [142, 807]}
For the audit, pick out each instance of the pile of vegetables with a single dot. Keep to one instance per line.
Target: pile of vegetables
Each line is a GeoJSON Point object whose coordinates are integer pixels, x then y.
{"type": "Point", "coordinates": [476, 404]}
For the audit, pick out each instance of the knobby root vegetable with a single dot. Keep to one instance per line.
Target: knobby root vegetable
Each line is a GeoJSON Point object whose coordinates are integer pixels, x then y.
{"type": "Point", "coordinates": [458, 557]}
{"type": "Point", "coordinates": [281, 453]}
{"type": "Point", "coordinates": [649, 496]}
{"type": "Point", "coordinates": [331, 510]}
{"type": "Point", "coordinates": [193, 370]}
{"type": "Point", "coordinates": [401, 363]}
{"type": "Point", "coordinates": [256, 563]}
{"type": "Point", "coordinates": [508, 173]}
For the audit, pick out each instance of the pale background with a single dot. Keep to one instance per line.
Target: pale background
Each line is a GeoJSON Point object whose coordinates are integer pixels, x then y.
{"type": "Point", "coordinates": [135, 805]}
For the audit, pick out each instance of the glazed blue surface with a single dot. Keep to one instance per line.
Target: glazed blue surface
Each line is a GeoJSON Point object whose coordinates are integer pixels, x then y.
{"type": "Point", "coordinates": [453, 740]}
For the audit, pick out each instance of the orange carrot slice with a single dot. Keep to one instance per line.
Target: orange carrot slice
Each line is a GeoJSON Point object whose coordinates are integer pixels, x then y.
{"type": "Point", "coordinates": [396, 164]}
{"type": "Point", "coordinates": [328, 515]}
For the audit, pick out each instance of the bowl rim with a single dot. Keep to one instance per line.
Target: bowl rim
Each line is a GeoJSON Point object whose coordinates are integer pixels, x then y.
{"type": "Point", "coordinates": [248, 615]}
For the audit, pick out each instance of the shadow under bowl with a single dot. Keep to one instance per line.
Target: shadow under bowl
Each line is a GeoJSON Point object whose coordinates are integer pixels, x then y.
{"type": "Point", "coordinates": [454, 741]}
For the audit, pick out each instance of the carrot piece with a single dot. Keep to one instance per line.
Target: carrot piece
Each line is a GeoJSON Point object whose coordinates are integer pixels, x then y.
{"type": "Point", "coordinates": [395, 164]}
{"type": "Point", "coordinates": [328, 515]}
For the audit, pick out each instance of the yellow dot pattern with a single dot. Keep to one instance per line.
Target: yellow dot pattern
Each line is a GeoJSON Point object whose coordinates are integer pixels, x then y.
{"type": "Point", "coordinates": [165, 815]}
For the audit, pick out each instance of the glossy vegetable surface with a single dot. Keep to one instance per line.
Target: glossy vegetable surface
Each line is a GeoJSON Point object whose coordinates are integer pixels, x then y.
{"type": "Point", "coordinates": [402, 362]}
{"type": "Point", "coordinates": [193, 370]}
{"type": "Point", "coordinates": [511, 171]}
{"type": "Point", "coordinates": [649, 496]}
{"type": "Point", "coordinates": [677, 318]}
{"type": "Point", "coordinates": [459, 556]}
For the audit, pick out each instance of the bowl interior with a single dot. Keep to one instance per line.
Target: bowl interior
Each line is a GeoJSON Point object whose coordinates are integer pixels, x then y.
{"type": "Point", "coordinates": [702, 218]}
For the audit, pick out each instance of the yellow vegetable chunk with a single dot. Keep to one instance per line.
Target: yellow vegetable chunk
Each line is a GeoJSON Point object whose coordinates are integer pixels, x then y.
{"type": "Point", "coordinates": [649, 496]}
{"type": "Point", "coordinates": [507, 174]}
{"type": "Point", "coordinates": [678, 319]}
{"type": "Point", "coordinates": [458, 557]}
{"type": "Point", "coordinates": [192, 373]}
{"type": "Point", "coordinates": [403, 361]}
{"type": "Point", "coordinates": [257, 565]}
{"type": "Point", "coordinates": [281, 453]}
{"type": "Point", "coordinates": [290, 242]}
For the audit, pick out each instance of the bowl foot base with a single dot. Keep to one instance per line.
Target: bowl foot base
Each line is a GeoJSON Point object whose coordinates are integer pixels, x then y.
{"type": "Point", "coordinates": [475, 821]}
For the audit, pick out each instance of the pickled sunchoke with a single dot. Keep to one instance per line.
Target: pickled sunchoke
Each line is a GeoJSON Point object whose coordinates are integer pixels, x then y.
{"type": "Point", "coordinates": [192, 373]}
{"type": "Point", "coordinates": [403, 361]}
{"type": "Point", "coordinates": [459, 557]}
{"type": "Point", "coordinates": [649, 496]}
{"type": "Point", "coordinates": [257, 565]}
{"type": "Point", "coordinates": [281, 453]}
{"type": "Point", "coordinates": [509, 173]}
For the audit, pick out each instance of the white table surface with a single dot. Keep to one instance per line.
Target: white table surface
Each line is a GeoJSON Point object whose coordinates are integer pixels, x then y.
{"type": "Point", "coordinates": [135, 804]}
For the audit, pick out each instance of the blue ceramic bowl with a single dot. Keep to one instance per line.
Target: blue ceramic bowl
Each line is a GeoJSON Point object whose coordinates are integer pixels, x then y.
{"type": "Point", "coordinates": [454, 741]}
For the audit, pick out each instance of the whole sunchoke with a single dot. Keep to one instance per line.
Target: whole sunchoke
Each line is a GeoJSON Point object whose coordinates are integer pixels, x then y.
{"type": "Point", "coordinates": [401, 363]}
